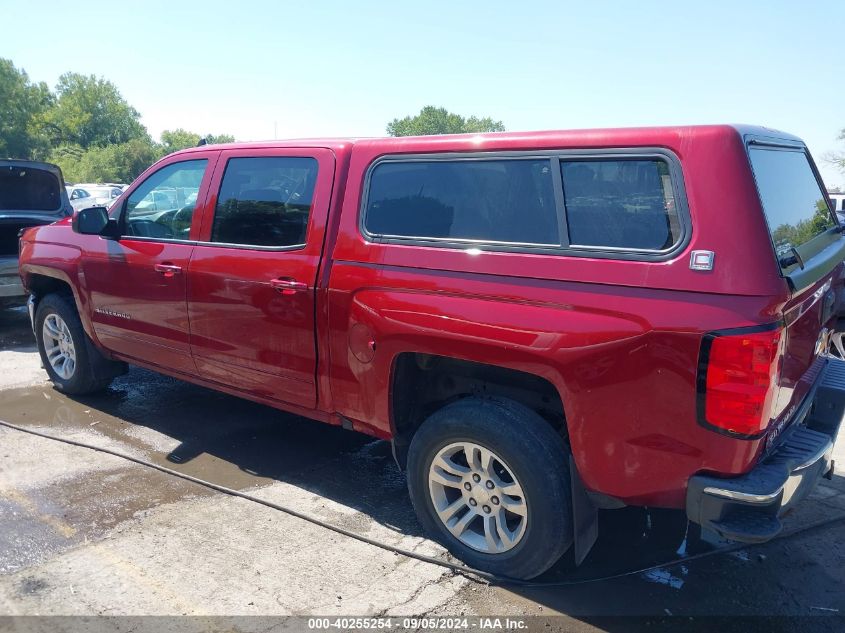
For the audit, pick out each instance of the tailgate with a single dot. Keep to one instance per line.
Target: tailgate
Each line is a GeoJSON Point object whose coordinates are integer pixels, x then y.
{"type": "Point", "coordinates": [809, 319]}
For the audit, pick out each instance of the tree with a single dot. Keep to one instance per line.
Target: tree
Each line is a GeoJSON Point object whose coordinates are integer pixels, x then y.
{"type": "Point", "coordinates": [214, 139]}
{"type": "Point", "coordinates": [838, 158]}
{"type": "Point", "coordinates": [22, 106]}
{"type": "Point", "coordinates": [87, 127]}
{"type": "Point", "coordinates": [113, 163]}
{"type": "Point", "coordinates": [91, 112]}
{"type": "Point", "coordinates": [433, 120]}
{"type": "Point", "coordinates": [174, 140]}
{"type": "Point", "coordinates": [804, 230]}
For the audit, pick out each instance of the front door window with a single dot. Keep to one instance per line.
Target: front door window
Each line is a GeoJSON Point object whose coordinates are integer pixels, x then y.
{"type": "Point", "coordinates": [162, 207]}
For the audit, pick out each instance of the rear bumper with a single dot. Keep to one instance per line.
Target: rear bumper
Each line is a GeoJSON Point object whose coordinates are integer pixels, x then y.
{"type": "Point", "coordinates": [749, 508]}
{"type": "Point", "coordinates": [11, 288]}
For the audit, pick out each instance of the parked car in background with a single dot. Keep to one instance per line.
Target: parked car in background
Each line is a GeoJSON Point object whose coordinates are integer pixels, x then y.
{"type": "Point", "coordinates": [837, 199]}
{"type": "Point", "coordinates": [544, 324]}
{"type": "Point", "coordinates": [159, 200]}
{"type": "Point", "coordinates": [82, 196]}
{"type": "Point", "coordinates": [79, 197]}
{"type": "Point", "coordinates": [31, 194]}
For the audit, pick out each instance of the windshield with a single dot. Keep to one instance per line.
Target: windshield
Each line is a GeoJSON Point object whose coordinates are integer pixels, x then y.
{"type": "Point", "coordinates": [795, 205]}
{"type": "Point", "coordinates": [29, 189]}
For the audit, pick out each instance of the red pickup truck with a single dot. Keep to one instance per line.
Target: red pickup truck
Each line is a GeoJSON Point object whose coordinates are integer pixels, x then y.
{"type": "Point", "coordinates": [543, 324]}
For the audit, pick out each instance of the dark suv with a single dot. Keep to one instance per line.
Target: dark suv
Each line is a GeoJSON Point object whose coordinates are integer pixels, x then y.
{"type": "Point", "coordinates": [31, 194]}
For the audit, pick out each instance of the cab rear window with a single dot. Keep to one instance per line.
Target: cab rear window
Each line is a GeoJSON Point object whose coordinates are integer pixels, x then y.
{"type": "Point", "coordinates": [795, 205]}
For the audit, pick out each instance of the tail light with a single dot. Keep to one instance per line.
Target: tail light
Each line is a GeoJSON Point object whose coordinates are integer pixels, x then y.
{"type": "Point", "coordinates": [738, 377]}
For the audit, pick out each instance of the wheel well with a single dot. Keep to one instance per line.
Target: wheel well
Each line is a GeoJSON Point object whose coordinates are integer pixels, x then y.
{"type": "Point", "coordinates": [42, 285]}
{"type": "Point", "coordinates": [423, 383]}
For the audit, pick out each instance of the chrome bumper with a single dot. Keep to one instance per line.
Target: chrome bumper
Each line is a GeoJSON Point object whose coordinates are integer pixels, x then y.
{"type": "Point", "coordinates": [749, 508]}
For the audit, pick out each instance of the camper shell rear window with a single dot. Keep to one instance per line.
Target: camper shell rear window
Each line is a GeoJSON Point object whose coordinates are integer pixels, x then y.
{"type": "Point", "coordinates": [794, 202]}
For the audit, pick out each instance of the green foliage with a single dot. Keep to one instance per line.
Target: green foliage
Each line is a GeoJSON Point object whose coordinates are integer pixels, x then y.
{"type": "Point", "coordinates": [174, 140]}
{"type": "Point", "coordinates": [67, 157]}
{"type": "Point", "coordinates": [22, 107]}
{"type": "Point", "coordinates": [112, 163]}
{"type": "Point", "coordinates": [804, 230]}
{"type": "Point", "coordinates": [91, 112]}
{"type": "Point", "coordinates": [215, 139]}
{"type": "Point", "coordinates": [433, 120]}
{"type": "Point", "coordinates": [123, 162]}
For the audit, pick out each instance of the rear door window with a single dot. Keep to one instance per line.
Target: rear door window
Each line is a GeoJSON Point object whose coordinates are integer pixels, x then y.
{"type": "Point", "coordinates": [265, 201]}
{"type": "Point", "coordinates": [795, 205]}
{"type": "Point", "coordinates": [620, 204]}
{"type": "Point", "coordinates": [507, 201]}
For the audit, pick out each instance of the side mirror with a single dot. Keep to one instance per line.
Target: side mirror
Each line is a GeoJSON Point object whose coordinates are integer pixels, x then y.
{"type": "Point", "coordinates": [92, 221]}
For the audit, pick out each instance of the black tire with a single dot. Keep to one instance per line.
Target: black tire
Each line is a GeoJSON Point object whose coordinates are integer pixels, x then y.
{"type": "Point", "coordinates": [535, 454]}
{"type": "Point", "coordinates": [93, 372]}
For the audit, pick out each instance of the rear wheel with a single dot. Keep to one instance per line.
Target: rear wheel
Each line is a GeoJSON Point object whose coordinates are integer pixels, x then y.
{"type": "Point", "coordinates": [72, 362]}
{"type": "Point", "coordinates": [490, 478]}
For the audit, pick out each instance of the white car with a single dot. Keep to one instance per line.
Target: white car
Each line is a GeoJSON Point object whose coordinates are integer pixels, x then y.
{"type": "Point", "coordinates": [84, 195]}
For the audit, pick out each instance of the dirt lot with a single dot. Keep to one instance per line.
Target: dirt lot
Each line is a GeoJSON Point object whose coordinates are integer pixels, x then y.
{"type": "Point", "coordinates": [85, 533]}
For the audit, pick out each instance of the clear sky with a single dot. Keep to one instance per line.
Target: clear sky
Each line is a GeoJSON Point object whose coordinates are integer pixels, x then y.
{"type": "Point", "coordinates": [323, 68]}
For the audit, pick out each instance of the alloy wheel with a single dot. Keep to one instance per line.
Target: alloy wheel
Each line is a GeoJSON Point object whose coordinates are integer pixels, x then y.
{"type": "Point", "coordinates": [477, 497]}
{"type": "Point", "coordinates": [58, 346]}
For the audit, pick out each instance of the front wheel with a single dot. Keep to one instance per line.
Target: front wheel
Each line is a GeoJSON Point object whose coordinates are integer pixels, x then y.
{"type": "Point", "coordinates": [490, 479]}
{"type": "Point", "coordinates": [72, 362]}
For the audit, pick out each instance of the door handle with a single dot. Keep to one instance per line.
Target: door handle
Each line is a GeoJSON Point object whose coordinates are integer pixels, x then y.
{"type": "Point", "coordinates": [288, 286]}
{"type": "Point", "coordinates": [167, 270]}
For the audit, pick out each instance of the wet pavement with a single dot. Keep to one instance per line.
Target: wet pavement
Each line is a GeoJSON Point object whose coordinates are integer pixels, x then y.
{"type": "Point", "coordinates": [83, 532]}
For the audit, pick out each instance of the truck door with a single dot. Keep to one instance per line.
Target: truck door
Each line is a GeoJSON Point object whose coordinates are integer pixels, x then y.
{"type": "Point", "coordinates": [137, 283]}
{"type": "Point", "coordinates": [252, 276]}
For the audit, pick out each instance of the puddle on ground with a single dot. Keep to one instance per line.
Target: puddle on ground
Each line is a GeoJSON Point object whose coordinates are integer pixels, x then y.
{"type": "Point", "coordinates": [203, 433]}
{"type": "Point", "coordinates": [224, 439]}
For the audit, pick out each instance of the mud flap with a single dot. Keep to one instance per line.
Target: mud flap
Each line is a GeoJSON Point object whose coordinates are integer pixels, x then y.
{"type": "Point", "coordinates": [585, 516]}
{"type": "Point", "coordinates": [102, 367]}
